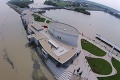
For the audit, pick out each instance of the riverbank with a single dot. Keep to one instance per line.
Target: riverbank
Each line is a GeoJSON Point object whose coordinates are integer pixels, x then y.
{"type": "Point", "coordinates": [16, 8]}
{"type": "Point", "coordinates": [15, 58]}
{"type": "Point", "coordinates": [73, 6]}
{"type": "Point", "coordinates": [37, 72]}
{"type": "Point", "coordinates": [40, 70]}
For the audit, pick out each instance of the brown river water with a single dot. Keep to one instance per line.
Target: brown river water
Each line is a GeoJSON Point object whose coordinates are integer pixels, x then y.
{"type": "Point", "coordinates": [15, 57]}
{"type": "Point", "coordinates": [97, 23]}
{"type": "Point", "coordinates": [12, 45]}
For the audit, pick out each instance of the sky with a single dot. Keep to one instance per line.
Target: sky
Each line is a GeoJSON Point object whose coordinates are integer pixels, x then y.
{"type": "Point", "coordinates": [111, 3]}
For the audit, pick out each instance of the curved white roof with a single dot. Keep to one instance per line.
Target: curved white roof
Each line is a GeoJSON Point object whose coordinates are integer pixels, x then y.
{"type": "Point", "coordinates": [63, 27]}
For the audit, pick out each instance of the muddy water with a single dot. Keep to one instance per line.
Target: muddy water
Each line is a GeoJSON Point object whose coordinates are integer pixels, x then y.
{"type": "Point", "coordinates": [38, 4]}
{"type": "Point", "coordinates": [13, 50]}
{"type": "Point", "coordinates": [97, 23]}
{"type": "Point", "coordinates": [15, 56]}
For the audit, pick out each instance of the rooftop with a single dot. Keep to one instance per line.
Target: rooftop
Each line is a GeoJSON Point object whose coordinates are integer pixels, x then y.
{"type": "Point", "coordinates": [62, 58]}
{"type": "Point", "coordinates": [63, 27]}
{"type": "Point", "coordinates": [61, 52]}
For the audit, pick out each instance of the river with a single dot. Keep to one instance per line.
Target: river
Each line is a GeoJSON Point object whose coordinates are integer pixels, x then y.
{"type": "Point", "coordinates": [13, 46]}
{"type": "Point", "coordinates": [15, 55]}
{"type": "Point", "coordinates": [97, 23]}
{"type": "Point", "coordinates": [13, 36]}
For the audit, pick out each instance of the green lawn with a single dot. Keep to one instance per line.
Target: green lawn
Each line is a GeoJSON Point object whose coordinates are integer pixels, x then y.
{"type": "Point", "coordinates": [92, 48]}
{"type": "Point", "coordinates": [116, 64]}
{"type": "Point", "coordinates": [99, 66]}
{"type": "Point", "coordinates": [42, 19]}
{"type": "Point", "coordinates": [48, 21]}
{"type": "Point", "coordinates": [38, 18]}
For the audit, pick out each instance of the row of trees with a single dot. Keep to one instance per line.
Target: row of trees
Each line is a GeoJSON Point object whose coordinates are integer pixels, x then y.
{"type": "Point", "coordinates": [53, 3]}
{"type": "Point", "coordinates": [82, 11]}
{"type": "Point", "coordinates": [75, 5]}
{"type": "Point", "coordinates": [49, 2]}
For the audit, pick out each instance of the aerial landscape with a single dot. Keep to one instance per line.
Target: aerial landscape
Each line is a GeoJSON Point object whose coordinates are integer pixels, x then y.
{"type": "Point", "coordinates": [59, 40]}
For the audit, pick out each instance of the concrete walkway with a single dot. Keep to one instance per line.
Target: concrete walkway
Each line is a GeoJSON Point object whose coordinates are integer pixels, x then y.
{"type": "Point", "coordinates": [80, 62]}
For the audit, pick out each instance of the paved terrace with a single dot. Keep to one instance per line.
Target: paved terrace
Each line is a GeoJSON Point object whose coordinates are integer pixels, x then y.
{"type": "Point", "coordinates": [27, 15]}
{"type": "Point", "coordinates": [81, 62]}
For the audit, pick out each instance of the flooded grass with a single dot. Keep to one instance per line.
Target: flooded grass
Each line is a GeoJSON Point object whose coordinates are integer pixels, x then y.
{"type": "Point", "coordinates": [6, 57]}
{"type": "Point", "coordinates": [37, 72]}
{"type": "Point", "coordinates": [38, 75]}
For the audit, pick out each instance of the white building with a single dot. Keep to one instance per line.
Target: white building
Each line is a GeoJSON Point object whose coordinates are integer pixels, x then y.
{"type": "Point", "coordinates": [64, 32]}
{"type": "Point", "coordinates": [59, 41]}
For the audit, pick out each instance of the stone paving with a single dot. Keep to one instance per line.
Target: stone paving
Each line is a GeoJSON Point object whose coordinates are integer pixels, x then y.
{"type": "Point", "coordinates": [81, 62]}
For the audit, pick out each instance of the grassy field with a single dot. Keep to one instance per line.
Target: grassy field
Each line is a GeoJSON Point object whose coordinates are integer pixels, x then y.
{"type": "Point", "coordinates": [38, 18]}
{"type": "Point", "coordinates": [92, 48]}
{"type": "Point", "coordinates": [99, 66]}
{"type": "Point", "coordinates": [116, 64]}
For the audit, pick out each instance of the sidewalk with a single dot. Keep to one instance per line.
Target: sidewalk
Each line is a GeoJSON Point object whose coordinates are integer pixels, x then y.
{"type": "Point", "coordinates": [80, 62]}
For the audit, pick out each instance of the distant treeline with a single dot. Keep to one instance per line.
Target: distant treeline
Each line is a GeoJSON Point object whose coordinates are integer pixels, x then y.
{"type": "Point", "coordinates": [59, 3]}
{"type": "Point", "coordinates": [21, 3]}
{"type": "Point", "coordinates": [75, 6]}
{"type": "Point", "coordinates": [49, 2]}
{"type": "Point", "coordinates": [82, 11]}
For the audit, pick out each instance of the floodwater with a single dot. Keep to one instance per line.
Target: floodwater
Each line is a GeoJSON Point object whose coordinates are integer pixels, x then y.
{"type": "Point", "coordinates": [38, 4]}
{"type": "Point", "coordinates": [97, 23]}
{"type": "Point", "coordinates": [15, 56]}
{"type": "Point", "coordinates": [13, 47]}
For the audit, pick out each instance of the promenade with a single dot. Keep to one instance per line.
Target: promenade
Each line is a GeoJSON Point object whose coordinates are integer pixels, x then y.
{"type": "Point", "coordinates": [81, 62]}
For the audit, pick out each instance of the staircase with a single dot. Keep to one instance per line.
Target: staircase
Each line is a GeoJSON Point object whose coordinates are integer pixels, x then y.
{"type": "Point", "coordinates": [59, 73]}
